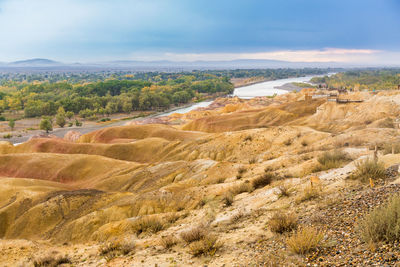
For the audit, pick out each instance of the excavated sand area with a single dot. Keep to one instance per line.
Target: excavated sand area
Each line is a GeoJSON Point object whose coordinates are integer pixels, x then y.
{"type": "Point", "coordinates": [139, 184]}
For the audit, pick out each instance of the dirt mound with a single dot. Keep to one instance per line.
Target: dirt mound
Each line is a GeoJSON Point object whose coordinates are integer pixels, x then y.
{"type": "Point", "coordinates": [134, 132]}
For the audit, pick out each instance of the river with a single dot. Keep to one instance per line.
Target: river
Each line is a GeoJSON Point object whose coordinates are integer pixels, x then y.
{"type": "Point", "coordinates": [260, 89]}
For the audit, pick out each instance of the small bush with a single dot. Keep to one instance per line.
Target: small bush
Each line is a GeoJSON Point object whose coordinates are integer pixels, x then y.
{"type": "Point", "coordinates": [369, 168]}
{"type": "Point", "coordinates": [241, 188]}
{"type": "Point", "coordinates": [331, 160]}
{"type": "Point", "coordinates": [263, 180]}
{"type": "Point", "coordinates": [282, 222]}
{"type": "Point", "coordinates": [169, 241]}
{"type": "Point", "coordinates": [151, 224]}
{"type": "Point", "coordinates": [7, 136]}
{"type": "Point", "coordinates": [284, 191]}
{"type": "Point", "coordinates": [252, 160]}
{"type": "Point", "coordinates": [309, 193]}
{"type": "Point", "coordinates": [288, 142]}
{"type": "Point", "coordinates": [50, 261]}
{"type": "Point", "coordinates": [304, 240]}
{"type": "Point", "coordinates": [241, 171]}
{"type": "Point", "coordinates": [194, 234]}
{"type": "Point", "coordinates": [382, 223]}
{"type": "Point", "coordinates": [114, 249]}
{"type": "Point", "coordinates": [206, 246]}
{"type": "Point", "coordinates": [228, 198]}
{"type": "Point", "coordinates": [248, 138]}
{"type": "Point", "coordinates": [387, 148]}
{"type": "Point", "coordinates": [304, 143]}
{"type": "Point", "coordinates": [172, 217]}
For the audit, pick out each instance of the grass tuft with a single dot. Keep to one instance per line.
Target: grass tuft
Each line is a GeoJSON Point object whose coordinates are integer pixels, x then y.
{"type": "Point", "coordinates": [151, 224]}
{"type": "Point", "coordinates": [114, 249]}
{"type": "Point", "coordinates": [51, 261]}
{"type": "Point", "coordinates": [331, 160]}
{"type": "Point", "coordinates": [206, 246]}
{"type": "Point", "coordinates": [305, 240]}
{"type": "Point", "coordinates": [194, 234]}
{"type": "Point", "coordinates": [263, 180]}
{"type": "Point", "coordinates": [282, 222]}
{"type": "Point", "coordinates": [369, 168]}
{"type": "Point", "coordinates": [382, 223]}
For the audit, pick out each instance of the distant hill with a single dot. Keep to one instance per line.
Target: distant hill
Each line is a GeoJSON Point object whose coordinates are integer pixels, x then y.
{"type": "Point", "coordinates": [35, 62]}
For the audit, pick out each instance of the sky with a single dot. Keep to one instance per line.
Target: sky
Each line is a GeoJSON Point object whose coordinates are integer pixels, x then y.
{"type": "Point", "coordinates": [360, 31]}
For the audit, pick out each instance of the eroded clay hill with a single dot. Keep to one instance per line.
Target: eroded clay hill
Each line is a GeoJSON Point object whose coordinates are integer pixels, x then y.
{"type": "Point", "coordinates": [224, 169]}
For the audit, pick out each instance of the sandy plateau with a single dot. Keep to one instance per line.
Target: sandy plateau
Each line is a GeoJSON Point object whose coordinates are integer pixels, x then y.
{"type": "Point", "coordinates": [199, 188]}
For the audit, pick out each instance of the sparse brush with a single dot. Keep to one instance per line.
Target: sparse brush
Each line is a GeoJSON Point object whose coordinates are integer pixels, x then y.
{"type": "Point", "coordinates": [386, 123]}
{"type": "Point", "coordinates": [288, 142]}
{"type": "Point", "coordinates": [194, 234]}
{"type": "Point", "coordinates": [309, 193]}
{"type": "Point", "coordinates": [263, 180]}
{"type": "Point", "coordinates": [282, 222]}
{"type": "Point", "coordinates": [388, 148]}
{"type": "Point", "coordinates": [304, 143]}
{"type": "Point", "coordinates": [116, 248]}
{"type": "Point", "coordinates": [331, 160]}
{"type": "Point", "coordinates": [152, 224]}
{"type": "Point", "coordinates": [252, 160]}
{"type": "Point", "coordinates": [248, 138]}
{"type": "Point", "coordinates": [208, 245]}
{"type": "Point", "coordinates": [305, 240]}
{"type": "Point", "coordinates": [168, 241]}
{"type": "Point", "coordinates": [172, 217]}
{"type": "Point", "coordinates": [242, 170]}
{"type": "Point", "coordinates": [382, 223]}
{"type": "Point", "coordinates": [284, 191]}
{"type": "Point", "coordinates": [369, 168]}
{"type": "Point", "coordinates": [236, 217]}
{"type": "Point", "coordinates": [51, 261]}
{"type": "Point", "coordinates": [241, 188]}
{"type": "Point", "coordinates": [228, 198]}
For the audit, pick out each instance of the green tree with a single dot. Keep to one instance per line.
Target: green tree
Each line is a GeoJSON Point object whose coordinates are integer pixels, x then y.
{"type": "Point", "coordinates": [46, 124]}
{"type": "Point", "coordinates": [69, 114]}
{"type": "Point", "coordinates": [11, 123]}
{"type": "Point", "coordinates": [60, 120]}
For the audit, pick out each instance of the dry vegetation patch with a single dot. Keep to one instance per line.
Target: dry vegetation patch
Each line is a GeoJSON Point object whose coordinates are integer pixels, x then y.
{"type": "Point", "coordinates": [51, 261]}
{"type": "Point", "coordinates": [369, 168]}
{"type": "Point", "coordinates": [282, 222]}
{"type": "Point", "coordinates": [331, 160]}
{"type": "Point", "coordinates": [305, 240]}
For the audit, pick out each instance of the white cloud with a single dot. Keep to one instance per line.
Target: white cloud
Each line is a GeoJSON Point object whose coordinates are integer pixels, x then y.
{"type": "Point", "coordinates": [324, 55]}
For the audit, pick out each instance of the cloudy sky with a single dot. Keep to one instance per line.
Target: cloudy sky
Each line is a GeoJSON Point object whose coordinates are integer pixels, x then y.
{"type": "Point", "coordinates": [362, 31]}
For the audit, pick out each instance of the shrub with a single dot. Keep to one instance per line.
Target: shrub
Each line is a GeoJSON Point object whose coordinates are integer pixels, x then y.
{"type": "Point", "coordinates": [309, 194]}
{"type": "Point", "coordinates": [228, 198]}
{"type": "Point", "coordinates": [284, 191]}
{"type": "Point", "coordinates": [248, 138]}
{"type": "Point", "coordinates": [288, 142]}
{"type": "Point", "coordinates": [172, 217]}
{"type": "Point", "coordinates": [330, 160]}
{"type": "Point", "coordinates": [304, 143]}
{"type": "Point", "coordinates": [206, 246]}
{"type": "Point", "coordinates": [114, 249]}
{"type": "Point", "coordinates": [304, 240]}
{"type": "Point", "coordinates": [382, 223]}
{"type": "Point", "coordinates": [7, 136]}
{"type": "Point", "coordinates": [50, 261]}
{"type": "Point", "coordinates": [369, 168]}
{"type": "Point", "coordinates": [263, 180]}
{"type": "Point", "coordinates": [387, 148]}
{"type": "Point", "coordinates": [282, 222]}
{"type": "Point", "coordinates": [152, 224]}
{"type": "Point", "coordinates": [194, 234]}
{"type": "Point", "coordinates": [168, 241]}
{"type": "Point", "coordinates": [252, 160]}
{"type": "Point", "coordinates": [241, 188]}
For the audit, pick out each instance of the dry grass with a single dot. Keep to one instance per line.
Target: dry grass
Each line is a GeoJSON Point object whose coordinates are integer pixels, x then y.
{"type": "Point", "coordinates": [282, 222]}
{"type": "Point", "coordinates": [305, 240]}
{"type": "Point", "coordinates": [194, 234]}
{"type": "Point", "coordinates": [331, 160]}
{"type": "Point", "coordinates": [172, 217]}
{"type": "Point", "coordinates": [309, 193]}
{"type": "Point", "coordinates": [386, 123]}
{"type": "Point", "coordinates": [240, 173]}
{"type": "Point", "coordinates": [228, 198]}
{"type": "Point", "coordinates": [241, 188]}
{"type": "Point", "coordinates": [253, 160]}
{"type": "Point", "coordinates": [382, 223]}
{"type": "Point", "coordinates": [284, 191]}
{"type": "Point", "coordinates": [387, 148]}
{"type": "Point", "coordinates": [288, 142]}
{"type": "Point", "coordinates": [208, 245]}
{"type": "Point", "coordinates": [114, 249]}
{"type": "Point", "coordinates": [151, 224]}
{"type": "Point", "coordinates": [51, 261]}
{"type": "Point", "coordinates": [369, 168]}
{"type": "Point", "coordinates": [263, 180]}
{"type": "Point", "coordinates": [168, 241]}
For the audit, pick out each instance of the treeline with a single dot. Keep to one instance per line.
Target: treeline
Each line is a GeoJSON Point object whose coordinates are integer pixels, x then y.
{"type": "Point", "coordinates": [108, 97]}
{"type": "Point", "coordinates": [378, 79]}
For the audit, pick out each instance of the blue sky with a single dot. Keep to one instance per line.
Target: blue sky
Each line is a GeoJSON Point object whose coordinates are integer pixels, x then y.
{"type": "Point", "coordinates": [295, 30]}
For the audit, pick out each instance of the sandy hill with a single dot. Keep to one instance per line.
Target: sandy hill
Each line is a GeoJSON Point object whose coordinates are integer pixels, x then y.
{"type": "Point", "coordinates": [203, 187]}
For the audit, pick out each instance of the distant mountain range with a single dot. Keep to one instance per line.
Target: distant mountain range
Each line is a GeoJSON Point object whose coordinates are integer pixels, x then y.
{"type": "Point", "coordinates": [42, 64]}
